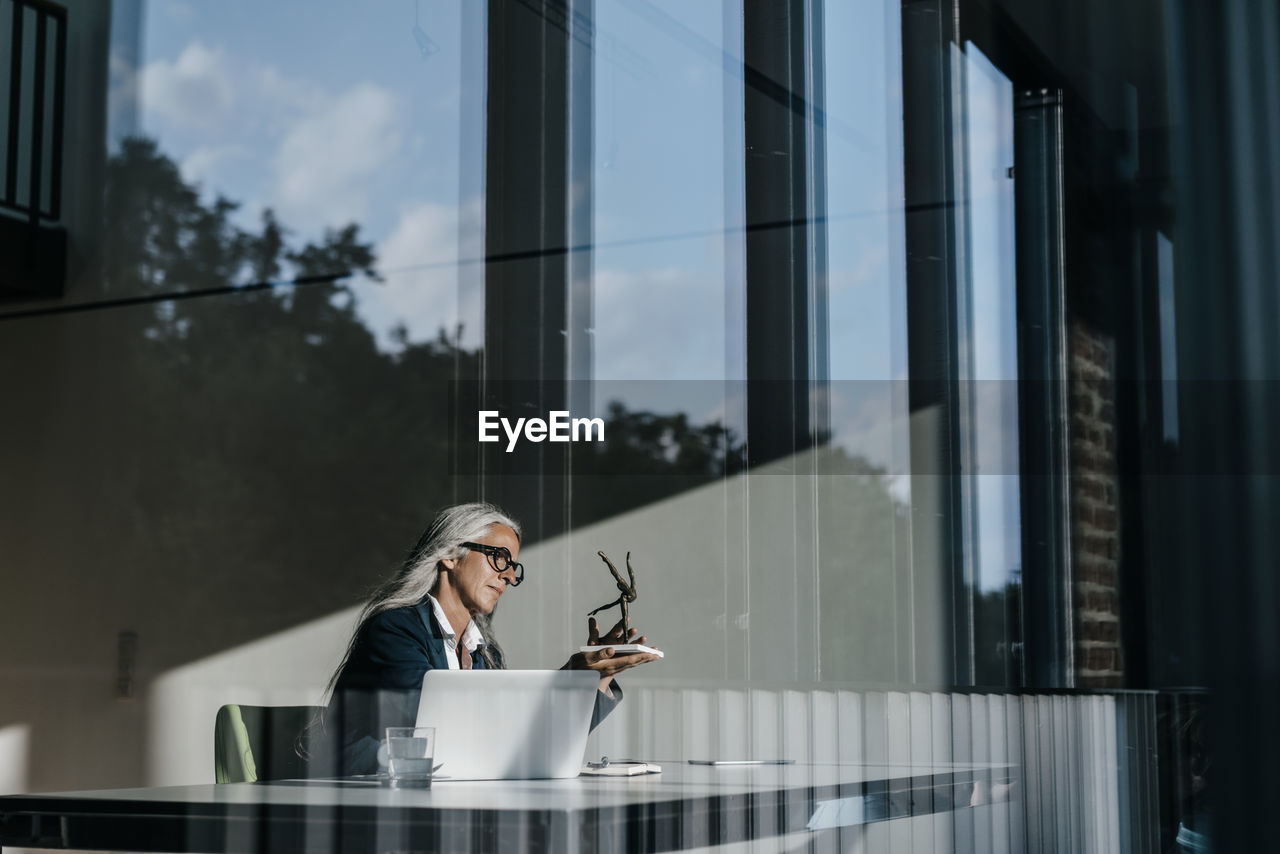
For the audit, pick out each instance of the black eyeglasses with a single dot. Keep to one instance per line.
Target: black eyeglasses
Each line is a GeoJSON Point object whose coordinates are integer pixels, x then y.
{"type": "Point", "coordinates": [501, 560]}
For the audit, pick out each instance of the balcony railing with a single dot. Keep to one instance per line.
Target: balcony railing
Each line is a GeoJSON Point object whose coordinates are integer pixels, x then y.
{"type": "Point", "coordinates": [33, 58]}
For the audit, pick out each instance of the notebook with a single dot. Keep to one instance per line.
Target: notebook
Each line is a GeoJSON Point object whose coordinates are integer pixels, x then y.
{"type": "Point", "coordinates": [508, 724]}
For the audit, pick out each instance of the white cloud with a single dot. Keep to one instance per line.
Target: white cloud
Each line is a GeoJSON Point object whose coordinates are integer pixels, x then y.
{"type": "Point", "coordinates": [208, 90]}
{"type": "Point", "coordinates": [419, 262]}
{"type": "Point", "coordinates": [281, 99]}
{"type": "Point", "coordinates": [194, 91]}
{"type": "Point", "coordinates": [309, 152]}
{"type": "Point", "coordinates": [324, 160]}
{"type": "Point", "coordinates": [201, 166]}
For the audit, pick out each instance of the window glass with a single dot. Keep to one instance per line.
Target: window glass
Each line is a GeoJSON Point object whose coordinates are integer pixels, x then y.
{"type": "Point", "coordinates": [990, 343]}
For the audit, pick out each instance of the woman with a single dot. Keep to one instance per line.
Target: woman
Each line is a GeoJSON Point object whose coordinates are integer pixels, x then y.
{"type": "Point", "coordinates": [435, 614]}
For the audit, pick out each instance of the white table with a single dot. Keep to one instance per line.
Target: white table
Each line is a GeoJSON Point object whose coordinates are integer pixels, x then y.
{"type": "Point", "coordinates": [685, 806]}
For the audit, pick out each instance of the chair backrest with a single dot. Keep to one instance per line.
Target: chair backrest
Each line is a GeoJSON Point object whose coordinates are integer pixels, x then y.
{"type": "Point", "coordinates": [252, 743]}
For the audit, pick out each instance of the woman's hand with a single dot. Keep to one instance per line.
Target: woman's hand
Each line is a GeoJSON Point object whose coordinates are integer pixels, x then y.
{"type": "Point", "coordinates": [606, 662]}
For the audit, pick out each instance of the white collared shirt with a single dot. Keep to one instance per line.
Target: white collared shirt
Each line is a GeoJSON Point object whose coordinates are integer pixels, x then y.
{"type": "Point", "coordinates": [471, 637]}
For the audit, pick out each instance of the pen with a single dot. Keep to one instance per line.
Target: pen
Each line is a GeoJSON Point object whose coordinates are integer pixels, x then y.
{"type": "Point", "coordinates": [742, 762]}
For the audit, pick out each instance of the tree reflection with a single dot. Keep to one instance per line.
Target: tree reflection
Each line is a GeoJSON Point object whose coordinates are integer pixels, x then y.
{"type": "Point", "coordinates": [273, 441]}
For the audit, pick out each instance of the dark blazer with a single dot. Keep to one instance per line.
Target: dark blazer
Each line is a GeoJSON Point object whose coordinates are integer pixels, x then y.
{"type": "Point", "coordinates": [381, 683]}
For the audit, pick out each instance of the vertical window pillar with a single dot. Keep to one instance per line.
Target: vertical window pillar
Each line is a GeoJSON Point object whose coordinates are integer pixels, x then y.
{"type": "Point", "coordinates": [527, 257]}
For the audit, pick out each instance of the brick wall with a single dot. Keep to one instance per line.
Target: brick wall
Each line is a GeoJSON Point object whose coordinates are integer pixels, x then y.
{"type": "Point", "coordinates": [1095, 528]}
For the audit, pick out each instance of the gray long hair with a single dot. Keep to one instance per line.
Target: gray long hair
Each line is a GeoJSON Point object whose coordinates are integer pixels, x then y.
{"type": "Point", "coordinates": [418, 576]}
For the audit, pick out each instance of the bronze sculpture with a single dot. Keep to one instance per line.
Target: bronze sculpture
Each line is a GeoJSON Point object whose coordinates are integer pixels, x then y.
{"type": "Point", "coordinates": [628, 591]}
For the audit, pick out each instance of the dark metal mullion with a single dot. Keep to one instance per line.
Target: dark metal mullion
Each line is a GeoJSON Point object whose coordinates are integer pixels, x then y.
{"type": "Point", "coordinates": [59, 100]}
{"type": "Point", "coordinates": [526, 223]}
{"type": "Point", "coordinates": [928, 34]}
{"type": "Point", "coordinates": [816, 183]}
{"type": "Point", "coordinates": [777, 318]}
{"type": "Point", "coordinates": [468, 374]}
{"type": "Point", "coordinates": [580, 137]}
{"type": "Point", "coordinates": [37, 119]}
{"type": "Point", "coordinates": [1046, 540]}
{"type": "Point", "coordinates": [1046, 617]}
{"type": "Point", "coordinates": [15, 107]}
{"type": "Point", "coordinates": [777, 259]}
{"type": "Point", "coordinates": [525, 193]}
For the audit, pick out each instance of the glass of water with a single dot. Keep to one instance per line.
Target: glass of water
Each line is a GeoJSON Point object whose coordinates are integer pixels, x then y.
{"type": "Point", "coordinates": [409, 754]}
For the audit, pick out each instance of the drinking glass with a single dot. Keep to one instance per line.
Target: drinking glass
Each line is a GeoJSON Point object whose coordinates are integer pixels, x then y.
{"type": "Point", "coordinates": [409, 755]}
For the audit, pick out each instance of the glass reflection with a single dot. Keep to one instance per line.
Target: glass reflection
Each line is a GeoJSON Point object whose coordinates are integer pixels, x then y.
{"type": "Point", "coordinates": [294, 219]}
{"type": "Point", "coordinates": [990, 365]}
{"type": "Point", "coordinates": [372, 130]}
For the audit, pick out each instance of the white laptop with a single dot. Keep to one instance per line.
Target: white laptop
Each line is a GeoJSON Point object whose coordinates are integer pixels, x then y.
{"type": "Point", "coordinates": [508, 724]}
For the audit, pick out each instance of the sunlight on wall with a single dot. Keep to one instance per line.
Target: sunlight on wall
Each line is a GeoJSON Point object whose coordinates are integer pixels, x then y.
{"type": "Point", "coordinates": [14, 758]}
{"type": "Point", "coordinates": [286, 669]}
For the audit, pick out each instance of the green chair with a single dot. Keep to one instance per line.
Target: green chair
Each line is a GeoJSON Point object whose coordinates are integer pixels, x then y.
{"type": "Point", "coordinates": [252, 743]}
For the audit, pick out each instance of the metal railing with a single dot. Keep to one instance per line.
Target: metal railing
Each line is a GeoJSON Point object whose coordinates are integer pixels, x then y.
{"type": "Point", "coordinates": [36, 92]}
